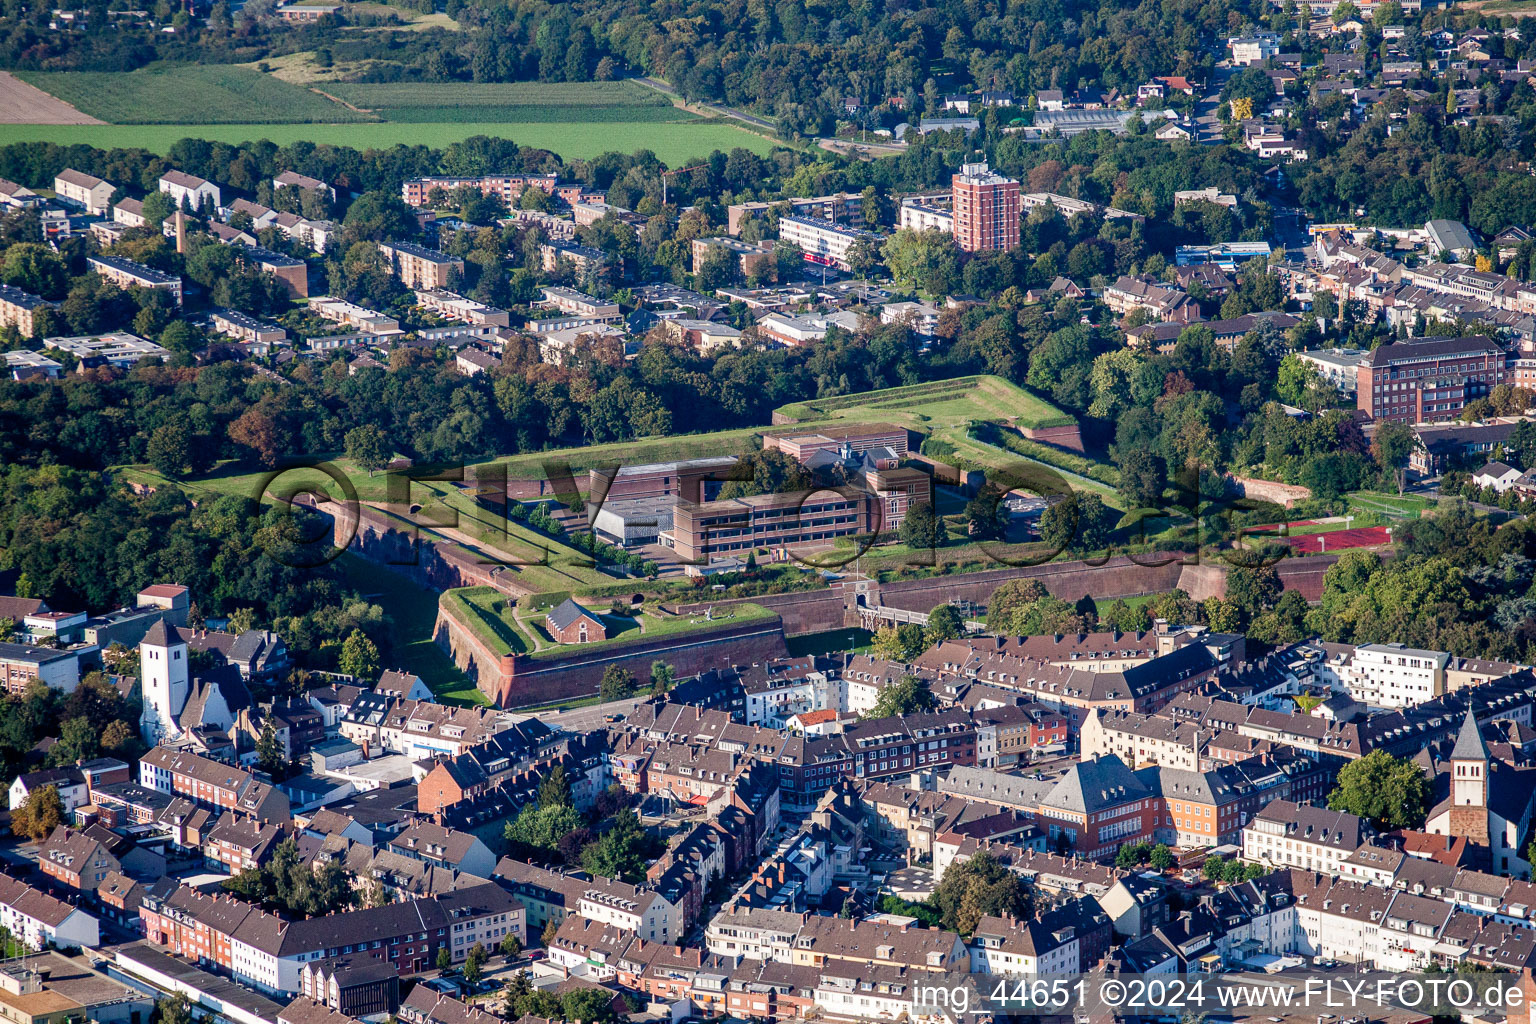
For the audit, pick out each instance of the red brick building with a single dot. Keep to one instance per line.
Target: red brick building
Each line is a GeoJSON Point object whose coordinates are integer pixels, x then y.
{"type": "Point", "coordinates": [986, 209]}
{"type": "Point", "coordinates": [1431, 379]}
{"type": "Point", "coordinates": [570, 623]}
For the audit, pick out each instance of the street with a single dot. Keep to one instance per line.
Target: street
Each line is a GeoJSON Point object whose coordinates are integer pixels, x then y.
{"type": "Point", "coordinates": [590, 717]}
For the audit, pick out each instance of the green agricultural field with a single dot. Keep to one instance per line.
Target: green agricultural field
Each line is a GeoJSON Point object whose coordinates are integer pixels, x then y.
{"type": "Point", "coordinates": [167, 93]}
{"type": "Point", "coordinates": [522, 102]}
{"type": "Point", "coordinates": [674, 143]}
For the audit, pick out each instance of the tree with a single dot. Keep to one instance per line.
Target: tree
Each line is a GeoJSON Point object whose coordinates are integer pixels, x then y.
{"type": "Point", "coordinates": [1162, 858]}
{"type": "Point", "coordinates": [926, 261]}
{"type": "Point", "coordinates": [922, 528]}
{"type": "Point", "coordinates": [377, 217]}
{"type": "Point", "coordinates": [35, 268]}
{"type": "Point", "coordinates": [175, 1010]}
{"type": "Point", "coordinates": [618, 683]}
{"type": "Point", "coordinates": [542, 828]}
{"type": "Point", "coordinates": [39, 814]}
{"type": "Point", "coordinates": [944, 623]}
{"type": "Point", "coordinates": [444, 958]}
{"type": "Point", "coordinates": [270, 755]}
{"type": "Point", "coordinates": [663, 676]}
{"type": "Point", "coordinates": [623, 851]}
{"type": "Point", "coordinates": [170, 449]}
{"type": "Point", "coordinates": [555, 789]}
{"type": "Point", "coordinates": [157, 207]}
{"type": "Point", "coordinates": [985, 516]}
{"type": "Point", "coordinates": [368, 447]}
{"type": "Point", "coordinates": [908, 697]}
{"type": "Point", "coordinates": [1133, 855]}
{"type": "Point", "coordinates": [769, 471]}
{"type": "Point", "coordinates": [1079, 522]}
{"type": "Point", "coordinates": [1392, 447]}
{"type": "Point", "coordinates": [359, 656]}
{"type": "Point", "coordinates": [1390, 791]}
{"type": "Point", "coordinates": [511, 946]}
{"type": "Point", "coordinates": [863, 258]}
{"type": "Point", "coordinates": [1143, 477]}
{"type": "Point", "coordinates": [979, 887]}
{"type": "Point", "coordinates": [588, 1004]}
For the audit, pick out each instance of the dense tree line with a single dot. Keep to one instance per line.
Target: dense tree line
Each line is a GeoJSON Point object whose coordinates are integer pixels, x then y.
{"type": "Point", "coordinates": [79, 540]}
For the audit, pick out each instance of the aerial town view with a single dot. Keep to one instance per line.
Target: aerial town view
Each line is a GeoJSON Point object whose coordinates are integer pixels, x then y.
{"type": "Point", "coordinates": [661, 512]}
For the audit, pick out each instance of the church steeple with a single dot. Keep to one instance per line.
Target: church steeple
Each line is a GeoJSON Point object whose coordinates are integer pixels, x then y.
{"type": "Point", "coordinates": [1469, 766]}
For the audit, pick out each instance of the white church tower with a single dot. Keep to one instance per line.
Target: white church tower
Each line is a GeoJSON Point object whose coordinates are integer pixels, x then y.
{"type": "Point", "coordinates": [163, 681]}
{"type": "Point", "coordinates": [1469, 766]}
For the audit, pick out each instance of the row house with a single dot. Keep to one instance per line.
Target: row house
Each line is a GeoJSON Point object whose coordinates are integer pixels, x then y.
{"type": "Point", "coordinates": [237, 843]}
{"type": "Point", "coordinates": [36, 919]}
{"type": "Point", "coordinates": [1401, 732]}
{"type": "Point", "coordinates": [1289, 834]}
{"type": "Point", "coordinates": [428, 1006]}
{"type": "Point", "coordinates": [551, 896]}
{"type": "Point", "coordinates": [1142, 687]}
{"type": "Point", "coordinates": [1067, 939]}
{"type": "Point", "coordinates": [269, 952]}
{"type": "Point", "coordinates": [474, 772]}
{"type": "Point", "coordinates": [420, 729]}
{"type": "Point", "coordinates": [212, 784]}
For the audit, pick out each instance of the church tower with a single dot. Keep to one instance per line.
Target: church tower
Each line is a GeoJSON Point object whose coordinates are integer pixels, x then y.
{"type": "Point", "coordinates": [1469, 783]}
{"type": "Point", "coordinates": [163, 680]}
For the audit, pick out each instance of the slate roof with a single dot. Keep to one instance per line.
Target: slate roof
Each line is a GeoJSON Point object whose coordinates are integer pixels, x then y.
{"type": "Point", "coordinates": [566, 613]}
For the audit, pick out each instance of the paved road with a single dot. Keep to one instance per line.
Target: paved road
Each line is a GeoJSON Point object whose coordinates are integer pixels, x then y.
{"type": "Point", "coordinates": [738, 114]}
{"type": "Point", "coordinates": [1205, 109]}
{"type": "Point", "coordinates": [590, 717]}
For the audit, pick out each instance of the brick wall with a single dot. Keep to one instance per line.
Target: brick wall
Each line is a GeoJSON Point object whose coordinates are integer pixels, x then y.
{"type": "Point", "coordinates": [514, 680]}
{"type": "Point", "coordinates": [577, 672]}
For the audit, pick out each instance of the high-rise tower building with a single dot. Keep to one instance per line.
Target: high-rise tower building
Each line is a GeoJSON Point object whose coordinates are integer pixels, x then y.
{"type": "Point", "coordinates": [986, 207]}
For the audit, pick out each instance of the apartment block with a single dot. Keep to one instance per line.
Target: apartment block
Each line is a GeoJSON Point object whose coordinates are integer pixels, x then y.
{"type": "Point", "coordinates": [130, 274]}
{"type": "Point", "coordinates": [1432, 379]}
{"type": "Point", "coordinates": [86, 190]}
{"type": "Point", "coordinates": [421, 268]}
{"type": "Point", "coordinates": [986, 209]}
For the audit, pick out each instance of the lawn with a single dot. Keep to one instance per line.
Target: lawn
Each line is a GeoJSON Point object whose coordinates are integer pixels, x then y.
{"type": "Point", "coordinates": [160, 94]}
{"type": "Point", "coordinates": [673, 143]}
{"type": "Point", "coordinates": [246, 480]}
{"type": "Point", "coordinates": [491, 616]}
{"type": "Point", "coordinates": [413, 611]}
{"type": "Point", "coordinates": [654, 625]}
{"type": "Point", "coordinates": [946, 403]}
{"type": "Point", "coordinates": [651, 449]}
{"type": "Point", "coordinates": [523, 102]}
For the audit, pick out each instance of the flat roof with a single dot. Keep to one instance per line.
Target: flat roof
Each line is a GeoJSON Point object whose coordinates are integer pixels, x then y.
{"type": "Point", "coordinates": [710, 462]}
